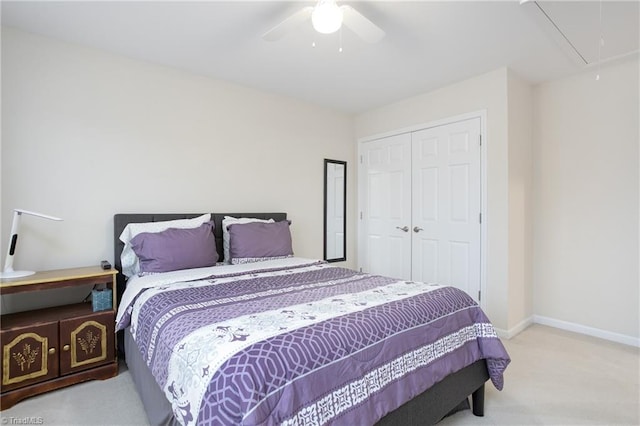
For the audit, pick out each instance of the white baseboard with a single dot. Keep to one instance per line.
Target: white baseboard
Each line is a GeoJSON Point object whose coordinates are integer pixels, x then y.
{"type": "Point", "coordinates": [590, 331]}
{"type": "Point", "coordinates": [569, 326]}
{"type": "Point", "coordinates": [508, 334]}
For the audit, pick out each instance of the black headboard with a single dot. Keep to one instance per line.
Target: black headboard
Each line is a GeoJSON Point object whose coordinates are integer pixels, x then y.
{"type": "Point", "coordinates": [123, 219]}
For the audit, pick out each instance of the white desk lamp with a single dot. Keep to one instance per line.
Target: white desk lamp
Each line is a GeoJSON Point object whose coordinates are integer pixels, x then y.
{"type": "Point", "coordinates": [8, 271]}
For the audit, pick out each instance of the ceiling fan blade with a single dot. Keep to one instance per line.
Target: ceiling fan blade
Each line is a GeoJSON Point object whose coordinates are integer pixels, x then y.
{"type": "Point", "coordinates": [277, 32]}
{"type": "Point", "coordinates": [360, 25]}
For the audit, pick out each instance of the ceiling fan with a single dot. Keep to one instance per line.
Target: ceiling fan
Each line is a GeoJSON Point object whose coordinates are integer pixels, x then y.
{"type": "Point", "coordinates": [327, 17]}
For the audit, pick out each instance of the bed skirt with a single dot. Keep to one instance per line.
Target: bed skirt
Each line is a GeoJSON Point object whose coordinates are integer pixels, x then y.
{"type": "Point", "coordinates": [156, 405]}
{"type": "Point", "coordinates": [442, 399]}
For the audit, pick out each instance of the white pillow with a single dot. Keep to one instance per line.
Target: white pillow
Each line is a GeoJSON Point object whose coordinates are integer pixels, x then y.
{"type": "Point", "coordinates": [228, 220]}
{"type": "Point", "coordinates": [128, 259]}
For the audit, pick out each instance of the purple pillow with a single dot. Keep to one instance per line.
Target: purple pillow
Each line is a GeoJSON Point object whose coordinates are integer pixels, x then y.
{"type": "Point", "coordinates": [257, 241]}
{"type": "Point", "coordinates": [175, 248]}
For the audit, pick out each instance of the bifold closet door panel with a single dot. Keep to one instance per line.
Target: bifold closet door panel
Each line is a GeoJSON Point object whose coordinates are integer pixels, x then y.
{"type": "Point", "coordinates": [446, 205]}
{"type": "Point", "coordinates": [387, 199]}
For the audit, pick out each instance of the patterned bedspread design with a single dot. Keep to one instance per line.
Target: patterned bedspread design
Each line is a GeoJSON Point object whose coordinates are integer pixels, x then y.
{"type": "Point", "coordinates": [200, 304]}
{"type": "Point", "coordinates": [306, 345]}
{"type": "Point", "coordinates": [334, 346]}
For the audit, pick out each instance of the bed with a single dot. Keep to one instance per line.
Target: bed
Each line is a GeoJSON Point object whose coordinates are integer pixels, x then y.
{"type": "Point", "coordinates": [369, 369]}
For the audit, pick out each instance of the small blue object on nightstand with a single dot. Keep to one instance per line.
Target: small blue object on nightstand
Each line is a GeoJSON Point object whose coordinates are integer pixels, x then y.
{"type": "Point", "coordinates": [101, 300]}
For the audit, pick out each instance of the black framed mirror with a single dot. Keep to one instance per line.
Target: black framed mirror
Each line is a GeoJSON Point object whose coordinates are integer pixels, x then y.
{"type": "Point", "coordinates": [335, 210]}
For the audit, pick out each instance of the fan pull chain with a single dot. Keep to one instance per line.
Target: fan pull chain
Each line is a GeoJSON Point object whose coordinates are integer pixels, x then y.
{"type": "Point", "coordinates": [600, 44]}
{"type": "Point", "coordinates": [340, 37]}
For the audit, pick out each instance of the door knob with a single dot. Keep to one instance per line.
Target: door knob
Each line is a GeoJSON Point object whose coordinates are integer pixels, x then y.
{"type": "Point", "coordinates": [417, 229]}
{"type": "Point", "coordinates": [403, 229]}
{"type": "Point", "coordinates": [66, 348]}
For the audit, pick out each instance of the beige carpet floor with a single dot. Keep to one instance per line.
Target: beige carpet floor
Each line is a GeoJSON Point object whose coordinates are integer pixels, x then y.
{"type": "Point", "coordinates": [555, 378]}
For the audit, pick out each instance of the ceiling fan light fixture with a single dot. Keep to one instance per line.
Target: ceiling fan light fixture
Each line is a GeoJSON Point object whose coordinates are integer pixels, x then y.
{"type": "Point", "coordinates": [326, 17]}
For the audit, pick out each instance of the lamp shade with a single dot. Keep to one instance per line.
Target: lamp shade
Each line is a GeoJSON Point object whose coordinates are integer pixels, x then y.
{"type": "Point", "coordinates": [326, 17]}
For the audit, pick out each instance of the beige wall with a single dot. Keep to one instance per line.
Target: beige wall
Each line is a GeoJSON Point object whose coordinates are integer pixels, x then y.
{"type": "Point", "coordinates": [520, 133]}
{"type": "Point", "coordinates": [87, 134]}
{"type": "Point", "coordinates": [486, 92]}
{"type": "Point", "coordinates": [585, 263]}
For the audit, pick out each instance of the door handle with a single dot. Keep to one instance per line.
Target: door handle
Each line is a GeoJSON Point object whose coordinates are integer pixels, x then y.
{"type": "Point", "coordinates": [417, 229]}
{"type": "Point", "coordinates": [403, 229]}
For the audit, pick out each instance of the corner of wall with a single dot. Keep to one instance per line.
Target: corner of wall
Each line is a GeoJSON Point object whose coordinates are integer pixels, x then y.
{"type": "Point", "coordinates": [520, 193]}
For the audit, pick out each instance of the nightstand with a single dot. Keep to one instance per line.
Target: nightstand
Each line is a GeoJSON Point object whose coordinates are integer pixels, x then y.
{"type": "Point", "coordinates": [51, 348]}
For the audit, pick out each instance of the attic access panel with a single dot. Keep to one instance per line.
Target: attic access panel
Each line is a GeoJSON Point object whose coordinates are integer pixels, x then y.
{"type": "Point", "coordinates": [576, 27]}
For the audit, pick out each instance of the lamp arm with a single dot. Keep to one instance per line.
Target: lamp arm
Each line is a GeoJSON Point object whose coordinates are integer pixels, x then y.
{"type": "Point", "coordinates": [42, 215]}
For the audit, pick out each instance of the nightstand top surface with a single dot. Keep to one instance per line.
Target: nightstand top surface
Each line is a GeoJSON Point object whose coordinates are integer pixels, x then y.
{"type": "Point", "coordinates": [57, 275]}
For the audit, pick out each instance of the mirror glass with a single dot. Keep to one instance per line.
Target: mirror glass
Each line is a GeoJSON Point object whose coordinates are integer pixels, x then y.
{"type": "Point", "coordinates": [335, 213]}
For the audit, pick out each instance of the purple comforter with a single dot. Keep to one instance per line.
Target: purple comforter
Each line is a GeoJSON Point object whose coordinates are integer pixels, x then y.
{"type": "Point", "coordinates": [309, 344]}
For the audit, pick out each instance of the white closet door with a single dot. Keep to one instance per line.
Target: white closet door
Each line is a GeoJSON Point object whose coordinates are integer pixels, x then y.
{"type": "Point", "coordinates": [446, 205]}
{"type": "Point", "coordinates": [386, 167]}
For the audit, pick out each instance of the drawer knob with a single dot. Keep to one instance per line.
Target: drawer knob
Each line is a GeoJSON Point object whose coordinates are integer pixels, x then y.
{"type": "Point", "coordinates": [66, 348]}
{"type": "Point", "coordinates": [52, 351]}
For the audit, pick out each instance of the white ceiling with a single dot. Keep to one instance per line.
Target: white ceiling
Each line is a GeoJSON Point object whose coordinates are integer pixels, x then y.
{"type": "Point", "coordinates": [428, 44]}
